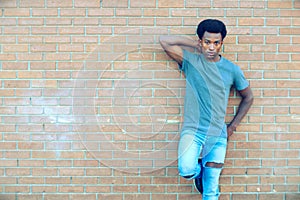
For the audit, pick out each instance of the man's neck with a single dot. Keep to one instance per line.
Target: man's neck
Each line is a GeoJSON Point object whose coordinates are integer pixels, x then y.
{"type": "Point", "coordinates": [216, 59]}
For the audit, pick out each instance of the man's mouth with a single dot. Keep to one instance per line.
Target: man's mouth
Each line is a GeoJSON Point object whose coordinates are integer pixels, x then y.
{"type": "Point", "coordinates": [210, 53]}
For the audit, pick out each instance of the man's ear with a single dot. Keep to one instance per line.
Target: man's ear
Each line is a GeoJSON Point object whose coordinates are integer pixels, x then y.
{"type": "Point", "coordinates": [199, 42]}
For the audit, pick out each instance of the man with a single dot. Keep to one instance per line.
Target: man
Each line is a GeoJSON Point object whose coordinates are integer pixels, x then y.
{"type": "Point", "coordinates": [209, 78]}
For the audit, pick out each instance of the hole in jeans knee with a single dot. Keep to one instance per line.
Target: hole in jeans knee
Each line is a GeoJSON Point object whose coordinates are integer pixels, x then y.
{"type": "Point", "coordinates": [214, 165]}
{"type": "Point", "coordinates": [188, 177]}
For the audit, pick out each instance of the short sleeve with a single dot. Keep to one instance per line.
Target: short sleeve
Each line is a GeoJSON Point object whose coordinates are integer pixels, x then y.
{"type": "Point", "coordinates": [186, 60]}
{"type": "Point", "coordinates": [240, 82]}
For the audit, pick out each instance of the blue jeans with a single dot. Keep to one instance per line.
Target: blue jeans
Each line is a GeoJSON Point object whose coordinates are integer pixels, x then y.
{"type": "Point", "coordinates": [212, 149]}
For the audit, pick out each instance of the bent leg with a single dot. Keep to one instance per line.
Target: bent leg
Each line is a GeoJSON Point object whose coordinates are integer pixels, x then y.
{"type": "Point", "coordinates": [189, 150]}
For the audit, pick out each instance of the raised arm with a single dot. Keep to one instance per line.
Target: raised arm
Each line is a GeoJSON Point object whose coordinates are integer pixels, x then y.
{"type": "Point", "coordinates": [245, 104]}
{"type": "Point", "coordinates": [173, 46]}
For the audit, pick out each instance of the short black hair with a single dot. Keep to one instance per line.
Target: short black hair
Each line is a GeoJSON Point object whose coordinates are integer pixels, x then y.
{"type": "Point", "coordinates": [211, 26]}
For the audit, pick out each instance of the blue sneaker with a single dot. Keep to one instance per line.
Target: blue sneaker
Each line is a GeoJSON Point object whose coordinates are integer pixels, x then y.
{"type": "Point", "coordinates": [198, 180]}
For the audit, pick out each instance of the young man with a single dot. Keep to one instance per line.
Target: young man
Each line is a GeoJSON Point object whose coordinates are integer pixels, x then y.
{"type": "Point", "coordinates": [209, 77]}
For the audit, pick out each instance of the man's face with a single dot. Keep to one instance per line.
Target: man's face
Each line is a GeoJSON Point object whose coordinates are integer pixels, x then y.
{"type": "Point", "coordinates": [211, 44]}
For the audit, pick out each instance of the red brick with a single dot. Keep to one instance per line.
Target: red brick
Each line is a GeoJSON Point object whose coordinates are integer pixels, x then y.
{"type": "Point", "coordinates": [70, 189]}
{"type": "Point", "coordinates": [169, 21]}
{"type": "Point", "coordinates": [245, 180]}
{"type": "Point", "coordinates": [258, 188]}
{"type": "Point", "coordinates": [56, 196]}
{"type": "Point", "coordinates": [99, 189]}
{"type": "Point", "coordinates": [156, 12]}
{"type": "Point", "coordinates": [8, 39]}
{"type": "Point", "coordinates": [41, 83]}
{"type": "Point", "coordinates": [7, 75]}
{"type": "Point", "coordinates": [28, 75]}
{"type": "Point", "coordinates": [56, 57]}
{"type": "Point", "coordinates": [139, 21]}
{"type": "Point", "coordinates": [44, 30]}
{"type": "Point", "coordinates": [144, 4]}
{"type": "Point", "coordinates": [280, 4]}
{"type": "Point", "coordinates": [289, 31]}
{"type": "Point", "coordinates": [168, 3]}
{"type": "Point", "coordinates": [44, 11]}
{"type": "Point", "coordinates": [16, 84]}
{"type": "Point", "coordinates": [222, 4]}
{"type": "Point", "coordinates": [252, 4]}
{"type": "Point", "coordinates": [16, 30]}
{"type": "Point", "coordinates": [251, 22]}
{"type": "Point", "coordinates": [20, 12]}
{"type": "Point", "coordinates": [190, 196]}
{"type": "Point", "coordinates": [46, 189]}
{"type": "Point", "coordinates": [31, 128]}
{"type": "Point", "coordinates": [286, 188]}
{"type": "Point", "coordinates": [124, 188]}
{"type": "Point", "coordinates": [57, 180]}
{"type": "Point", "coordinates": [101, 12]}
{"type": "Point", "coordinates": [99, 172]}
{"type": "Point", "coordinates": [31, 22]}
{"type": "Point", "coordinates": [271, 196]}
{"type": "Point", "coordinates": [275, 93]}
{"type": "Point", "coordinates": [115, 3]}
{"type": "Point", "coordinates": [83, 196]}
{"type": "Point", "coordinates": [258, 171]}
{"type": "Point", "coordinates": [91, 3]}
{"type": "Point", "coordinates": [260, 154]}
{"type": "Point", "coordinates": [78, 180]}
{"type": "Point", "coordinates": [128, 12]}
{"type": "Point", "coordinates": [276, 39]}
{"type": "Point", "coordinates": [137, 196]}
{"type": "Point", "coordinates": [59, 4]}
{"type": "Point", "coordinates": [73, 30]}
{"type": "Point", "coordinates": [152, 189]}
{"type": "Point", "coordinates": [270, 145]}
{"type": "Point", "coordinates": [30, 56]}
{"type": "Point", "coordinates": [71, 172]}
{"type": "Point", "coordinates": [72, 12]}
{"type": "Point", "coordinates": [8, 22]}
{"type": "Point", "coordinates": [259, 137]}
{"type": "Point", "coordinates": [31, 163]}
{"type": "Point", "coordinates": [85, 21]}
{"type": "Point", "coordinates": [198, 4]}
{"type": "Point", "coordinates": [6, 92]}
{"type": "Point", "coordinates": [16, 189]}
{"type": "Point", "coordinates": [9, 4]}
{"type": "Point", "coordinates": [110, 196]}
{"type": "Point", "coordinates": [17, 171]}
{"type": "Point", "coordinates": [8, 163]}
{"type": "Point", "coordinates": [286, 154]}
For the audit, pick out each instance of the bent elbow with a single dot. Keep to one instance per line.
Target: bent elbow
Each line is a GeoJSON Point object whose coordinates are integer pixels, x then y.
{"type": "Point", "coordinates": [250, 99]}
{"type": "Point", "coordinates": [162, 41]}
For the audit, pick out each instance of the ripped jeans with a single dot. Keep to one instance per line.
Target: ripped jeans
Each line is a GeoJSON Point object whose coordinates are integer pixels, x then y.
{"type": "Point", "coordinates": [212, 150]}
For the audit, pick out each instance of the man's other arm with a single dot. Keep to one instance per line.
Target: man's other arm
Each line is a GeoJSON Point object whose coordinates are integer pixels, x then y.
{"type": "Point", "coordinates": [244, 106]}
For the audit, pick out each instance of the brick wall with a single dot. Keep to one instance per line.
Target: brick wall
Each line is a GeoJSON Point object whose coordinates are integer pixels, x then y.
{"type": "Point", "coordinates": [91, 106]}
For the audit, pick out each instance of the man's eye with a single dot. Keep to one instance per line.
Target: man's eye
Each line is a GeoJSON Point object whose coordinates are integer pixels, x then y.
{"type": "Point", "coordinates": [206, 42]}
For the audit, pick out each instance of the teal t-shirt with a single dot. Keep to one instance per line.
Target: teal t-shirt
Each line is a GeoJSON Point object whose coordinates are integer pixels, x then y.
{"type": "Point", "coordinates": [207, 91]}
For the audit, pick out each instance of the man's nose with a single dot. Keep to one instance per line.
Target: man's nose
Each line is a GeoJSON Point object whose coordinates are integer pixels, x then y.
{"type": "Point", "coordinates": [211, 46]}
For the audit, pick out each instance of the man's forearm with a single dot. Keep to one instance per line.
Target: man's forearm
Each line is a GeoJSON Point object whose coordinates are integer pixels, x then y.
{"type": "Point", "coordinates": [179, 40]}
{"type": "Point", "coordinates": [242, 111]}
